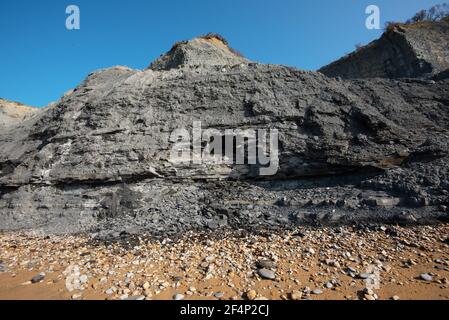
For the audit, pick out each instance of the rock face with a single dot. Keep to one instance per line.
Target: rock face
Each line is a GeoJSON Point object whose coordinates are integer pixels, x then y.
{"type": "Point", "coordinates": [99, 159]}
{"type": "Point", "coordinates": [12, 113]}
{"type": "Point", "coordinates": [416, 50]}
{"type": "Point", "coordinates": [204, 51]}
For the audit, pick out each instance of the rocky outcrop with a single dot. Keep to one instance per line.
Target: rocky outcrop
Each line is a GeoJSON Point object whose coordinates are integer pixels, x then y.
{"type": "Point", "coordinates": [206, 51]}
{"type": "Point", "coordinates": [12, 113]}
{"type": "Point", "coordinates": [99, 159]}
{"type": "Point", "coordinates": [417, 50]}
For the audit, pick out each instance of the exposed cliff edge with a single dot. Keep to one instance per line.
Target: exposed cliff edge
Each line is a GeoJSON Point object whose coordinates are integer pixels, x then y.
{"type": "Point", "coordinates": [98, 160]}
{"type": "Point", "coordinates": [419, 50]}
{"type": "Point", "coordinates": [12, 113]}
{"type": "Point", "coordinates": [205, 51]}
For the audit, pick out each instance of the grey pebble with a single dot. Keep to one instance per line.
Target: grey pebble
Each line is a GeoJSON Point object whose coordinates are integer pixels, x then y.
{"type": "Point", "coordinates": [317, 291]}
{"type": "Point", "coordinates": [265, 264]}
{"type": "Point", "coordinates": [38, 278]}
{"type": "Point", "coordinates": [425, 277]}
{"type": "Point", "coordinates": [266, 274]}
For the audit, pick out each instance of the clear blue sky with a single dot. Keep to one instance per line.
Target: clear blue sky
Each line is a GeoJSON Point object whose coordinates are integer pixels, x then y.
{"type": "Point", "coordinates": [40, 59]}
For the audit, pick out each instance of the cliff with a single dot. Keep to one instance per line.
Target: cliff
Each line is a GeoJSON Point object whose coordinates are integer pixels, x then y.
{"type": "Point", "coordinates": [419, 50]}
{"type": "Point", "coordinates": [12, 113]}
{"type": "Point", "coordinates": [350, 151]}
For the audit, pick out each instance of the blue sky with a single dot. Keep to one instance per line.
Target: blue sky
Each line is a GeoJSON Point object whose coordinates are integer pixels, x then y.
{"type": "Point", "coordinates": [40, 59]}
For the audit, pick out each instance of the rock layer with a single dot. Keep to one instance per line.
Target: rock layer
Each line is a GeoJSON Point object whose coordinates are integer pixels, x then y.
{"type": "Point", "coordinates": [349, 151]}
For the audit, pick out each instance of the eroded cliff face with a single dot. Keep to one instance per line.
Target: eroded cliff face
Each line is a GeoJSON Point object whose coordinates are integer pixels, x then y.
{"type": "Point", "coordinates": [99, 159]}
{"type": "Point", "coordinates": [403, 51]}
{"type": "Point", "coordinates": [12, 113]}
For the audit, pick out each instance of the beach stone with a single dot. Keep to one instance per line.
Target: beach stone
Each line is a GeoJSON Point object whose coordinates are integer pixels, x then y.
{"type": "Point", "coordinates": [178, 296]}
{"type": "Point", "coordinates": [296, 295]}
{"type": "Point", "coordinates": [38, 278]}
{"type": "Point", "coordinates": [265, 264]}
{"type": "Point", "coordinates": [425, 277]}
{"type": "Point", "coordinates": [266, 274]}
{"type": "Point", "coordinates": [83, 278]}
{"type": "Point", "coordinates": [317, 291]}
{"type": "Point", "coordinates": [251, 294]}
{"type": "Point", "coordinates": [369, 297]}
{"type": "Point", "coordinates": [109, 291]}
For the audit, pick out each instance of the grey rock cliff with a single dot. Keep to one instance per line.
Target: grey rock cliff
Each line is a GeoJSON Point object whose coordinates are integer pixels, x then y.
{"type": "Point", "coordinates": [403, 51]}
{"type": "Point", "coordinates": [200, 52]}
{"type": "Point", "coordinates": [350, 151]}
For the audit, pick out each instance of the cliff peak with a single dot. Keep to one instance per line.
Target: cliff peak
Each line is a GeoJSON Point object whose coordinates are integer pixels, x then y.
{"type": "Point", "coordinates": [208, 50]}
{"type": "Point", "coordinates": [415, 50]}
{"type": "Point", "coordinates": [12, 113]}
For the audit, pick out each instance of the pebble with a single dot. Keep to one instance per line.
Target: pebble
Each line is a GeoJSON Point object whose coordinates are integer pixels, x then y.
{"type": "Point", "coordinates": [425, 277]}
{"type": "Point", "coordinates": [395, 298]}
{"type": "Point", "coordinates": [83, 278]}
{"type": "Point", "coordinates": [109, 291]}
{"type": "Point", "coordinates": [387, 268]}
{"type": "Point", "coordinates": [369, 297]}
{"type": "Point", "coordinates": [332, 263]}
{"type": "Point", "coordinates": [266, 274]}
{"type": "Point", "coordinates": [296, 295]}
{"type": "Point", "coordinates": [265, 264]}
{"type": "Point", "coordinates": [317, 291]}
{"type": "Point", "coordinates": [178, 296]}
{"type": "Point", "coordinates": [351, 269]}
{"type": "Point", "coordinates": [251, 294]}
{"type": "Point", "coordinates": [38, 278]}
{"type": "Point", "coordinates": [76, 296]}
{"type": "Point", "coordinates": [219, 295]}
